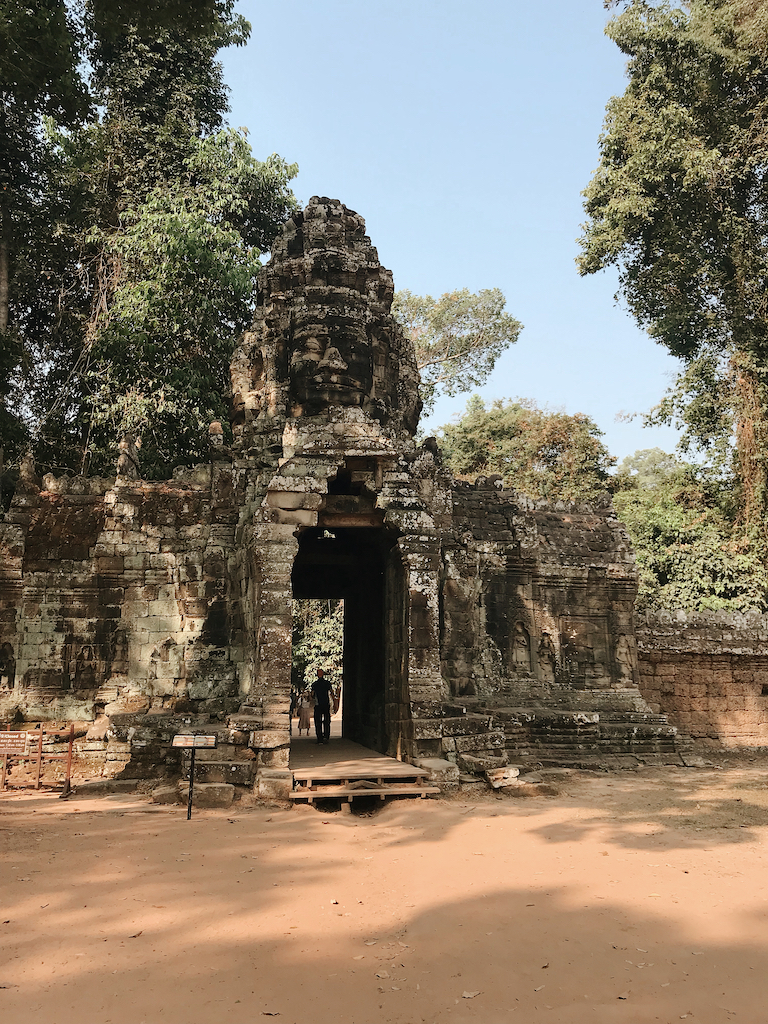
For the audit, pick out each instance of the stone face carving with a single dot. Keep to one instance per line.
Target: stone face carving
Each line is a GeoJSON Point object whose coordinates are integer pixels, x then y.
{"type": "Point", "coordinates": [322, 337]}
{"type": "Point", "coordinates": [216, 435]}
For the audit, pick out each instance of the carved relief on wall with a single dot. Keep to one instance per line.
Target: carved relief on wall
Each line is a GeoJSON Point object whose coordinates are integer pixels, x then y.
{"type": "Point", "coordinates": [521, 648]}
{"type": "Point", "coordinates": [547, 658]}
{"type": "Point", "coordinates": [7, 667]}
{"type": "Point", "coordinates": [584, 643]}
{"type": "Point", "coordinates": [85, 668]}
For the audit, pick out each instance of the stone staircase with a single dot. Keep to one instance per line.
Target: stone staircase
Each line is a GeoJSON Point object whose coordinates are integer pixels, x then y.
{"type": "Point", "coordinates": [479, 738]}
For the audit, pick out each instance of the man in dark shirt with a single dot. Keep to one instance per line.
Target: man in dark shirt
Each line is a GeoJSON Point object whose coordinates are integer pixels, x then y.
{"type": "Point", "coordinates": [322, 689]}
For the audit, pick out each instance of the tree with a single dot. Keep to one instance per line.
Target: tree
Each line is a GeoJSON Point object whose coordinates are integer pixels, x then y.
{"type": "Point", "coordinates": [128, 310]}
{"type": "Point", "coordinates": [159, 363]}
{"type": "Point", "coordinates": [458, 337]}
{"type": "Point", "coordinates": [678, 204]}
{"type": "Point", "coordinates": [40, 47]}
{"type": "Point", "coordinates": [543, 454]}
{"type": "Point", "coordinates": [680, 520]}
{"type": "Point", "coordinates": [318, 640]}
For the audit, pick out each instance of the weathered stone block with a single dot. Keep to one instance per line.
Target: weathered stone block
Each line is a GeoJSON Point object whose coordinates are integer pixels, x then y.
{"type": "Point", "coordinates": [427, 728]}
{"type": "Point", "coordinates": [440, 770]}
{"type": "Point", "coordinates": [489, 741]}
{"type": "Point", "coordinates": [208, 794]}
{"type": "Point", "coordinates": [478, 764]}
{"type": "Point", "coordinates": [166, 794]}
{"type": "Point", "coordinates": [269, 739]}
{"type": "Point", "coordinates": [238, 773]}
{"type": "Point", "coordinates": [274, 784]}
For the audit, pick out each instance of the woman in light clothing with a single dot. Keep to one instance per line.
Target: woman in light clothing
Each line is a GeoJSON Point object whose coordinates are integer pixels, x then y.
{"type": "Point", "coordinates": [306, 708]}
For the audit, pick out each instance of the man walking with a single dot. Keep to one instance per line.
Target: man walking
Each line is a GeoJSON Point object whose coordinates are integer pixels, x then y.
{"type": "Point", "coordinates": [322, 689]}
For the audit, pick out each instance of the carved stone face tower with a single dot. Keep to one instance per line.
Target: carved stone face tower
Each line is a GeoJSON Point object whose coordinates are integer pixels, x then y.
{"type": "Point", "coordinates": [323, 344]}
{"type": "Point", "coordinates": [325, 406]}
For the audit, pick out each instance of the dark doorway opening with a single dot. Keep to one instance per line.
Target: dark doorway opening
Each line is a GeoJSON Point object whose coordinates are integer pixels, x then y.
{"type": "Point", "coordinates": [361, 566]}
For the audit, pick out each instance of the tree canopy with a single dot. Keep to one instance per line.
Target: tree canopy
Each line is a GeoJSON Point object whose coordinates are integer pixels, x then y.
{"type": "Point", "coordinates": [678, 204]}
{"type": "Point", "coordinates": [543, 454]}
{"type": "Point", "coordinates": [124, 316]}
{"type": "Point", "coordinates": [680, 520]}
{"type": "Point", "coordinates": [318, 641]}
{"type": "Point", "coordinates": [458, 337]}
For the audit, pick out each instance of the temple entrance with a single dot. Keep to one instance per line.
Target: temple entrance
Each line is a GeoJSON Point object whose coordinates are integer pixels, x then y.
{"type": "Point", "coordinates": [361, 567]}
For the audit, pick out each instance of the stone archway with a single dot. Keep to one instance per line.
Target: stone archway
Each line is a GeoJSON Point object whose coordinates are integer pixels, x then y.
{"type": "Point", "coordinates": [361, 566]}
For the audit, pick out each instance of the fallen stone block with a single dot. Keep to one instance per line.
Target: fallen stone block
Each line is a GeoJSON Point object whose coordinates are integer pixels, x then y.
{"type": "Point", "coordinates": [166, 795]}
{"type": "Point", "coordinates": [440, 770]}
{"type": "Point", "coordinates": [208, 794]}
{"type": "Point", "coordinates": [695, 761]}
{"type": "Point", "coordinates": [501, 777]}
{"type": "Point", "coordinates": [273, 784]}
{"type": "Point", "coordinates": [478, 764]}
{"type": "Point", "coordinates": [98, 787]}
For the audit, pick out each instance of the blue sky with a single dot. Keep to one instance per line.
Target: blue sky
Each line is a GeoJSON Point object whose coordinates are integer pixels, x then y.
{"type": "Point", "coordinates": [464, 133]}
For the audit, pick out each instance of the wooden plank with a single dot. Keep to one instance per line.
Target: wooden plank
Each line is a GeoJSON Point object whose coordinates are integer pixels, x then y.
{"type": "Point", "coordinates": [301, 793]}
{"type": "Point", "coordinates": [331, 792]}
{"type": "Point", "coordinates": [361, 770]}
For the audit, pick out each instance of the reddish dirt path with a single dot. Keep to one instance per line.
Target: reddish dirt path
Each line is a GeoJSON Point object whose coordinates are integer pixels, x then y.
{"type": "Point", "coordinates": [630, 897]}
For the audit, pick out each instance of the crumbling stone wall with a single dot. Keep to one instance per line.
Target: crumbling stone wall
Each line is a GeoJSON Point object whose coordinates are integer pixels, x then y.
{"type": "Point", "coordinates": [708, 671]}
{"type": "Point", "coordinates": [119, 600]}
{"type": "Point", "coordinates": [537, 599]}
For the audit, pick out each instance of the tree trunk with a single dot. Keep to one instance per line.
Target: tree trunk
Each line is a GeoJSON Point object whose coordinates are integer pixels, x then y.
{"type": "Point", "coordinates": [4, 272]}
{"type": "Point", "coordinates": [752, 447]}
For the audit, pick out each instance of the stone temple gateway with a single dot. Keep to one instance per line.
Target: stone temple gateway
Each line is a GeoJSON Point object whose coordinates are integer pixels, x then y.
{"type": "Point", "coordinates": [479, 626]}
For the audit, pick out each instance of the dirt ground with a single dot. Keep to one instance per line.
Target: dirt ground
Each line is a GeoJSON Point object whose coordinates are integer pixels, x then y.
{"type": "Point", "coordinates": [630, 896]}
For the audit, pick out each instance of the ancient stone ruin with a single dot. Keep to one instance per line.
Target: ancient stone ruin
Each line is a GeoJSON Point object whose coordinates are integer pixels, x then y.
{"type": "Point", "coordinates": [480, 627]}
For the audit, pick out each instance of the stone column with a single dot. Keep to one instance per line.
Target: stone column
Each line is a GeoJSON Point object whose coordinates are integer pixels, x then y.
{"type": "Point", "coordinates": [270, 695]}
{"type": "Point", "coordinates": [421, 560]}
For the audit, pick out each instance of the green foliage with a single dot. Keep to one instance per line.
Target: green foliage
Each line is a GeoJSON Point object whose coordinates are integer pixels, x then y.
{"type": "Point", "coordinates": [678, 204]}
{"type": "Point", "coordinates": [193, 16]}
{"type": "Point", "coordinates": [543, 454]}
{"type": "Point", "coordinates": [458, 337]}
{"type": "Point", "coordinates": [159, 363]}
{"type": "Point", "coordinates": [680, 520]}
{"type": "Point", "coordinates": [318, 641]}
{"type": "Point", "coordinates": [142, 229]}
{"type": "Point", "coordinates": [40, 46]}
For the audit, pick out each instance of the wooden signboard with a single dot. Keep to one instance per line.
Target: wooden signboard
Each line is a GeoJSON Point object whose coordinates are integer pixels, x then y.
{"type": "Point", "coordinates": [14, 742]}
{"type": "Point", "coordinates": [195, 742]}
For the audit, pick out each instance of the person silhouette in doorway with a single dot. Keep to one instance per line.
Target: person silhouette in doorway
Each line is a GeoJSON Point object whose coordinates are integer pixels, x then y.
{"type": "Point", "coordinates": [322, 690]}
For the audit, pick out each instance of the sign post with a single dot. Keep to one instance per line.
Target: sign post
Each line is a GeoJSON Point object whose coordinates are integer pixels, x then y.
{"type": "Point", "coordinates": [11, 743]}
{"type": "Point", "coordinates": [193, 743]}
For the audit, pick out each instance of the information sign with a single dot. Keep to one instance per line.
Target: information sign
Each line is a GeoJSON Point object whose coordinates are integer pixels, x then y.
{"type": "Point", "coordinates": [194, 741]}
{"type": "Point", "coordinates": [14, 742]}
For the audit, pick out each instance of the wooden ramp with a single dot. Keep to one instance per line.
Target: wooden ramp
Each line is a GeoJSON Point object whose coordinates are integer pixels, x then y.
{"type": "Point", "coordinates": [344, 770]}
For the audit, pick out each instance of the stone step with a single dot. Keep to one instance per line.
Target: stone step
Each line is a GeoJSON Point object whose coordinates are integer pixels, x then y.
{"type": "Point", "coordinates": [238, 773]}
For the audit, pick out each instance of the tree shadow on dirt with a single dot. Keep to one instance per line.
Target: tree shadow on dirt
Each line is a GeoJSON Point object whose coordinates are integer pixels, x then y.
{"type": "Point", "coordinates": [135, 926]}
